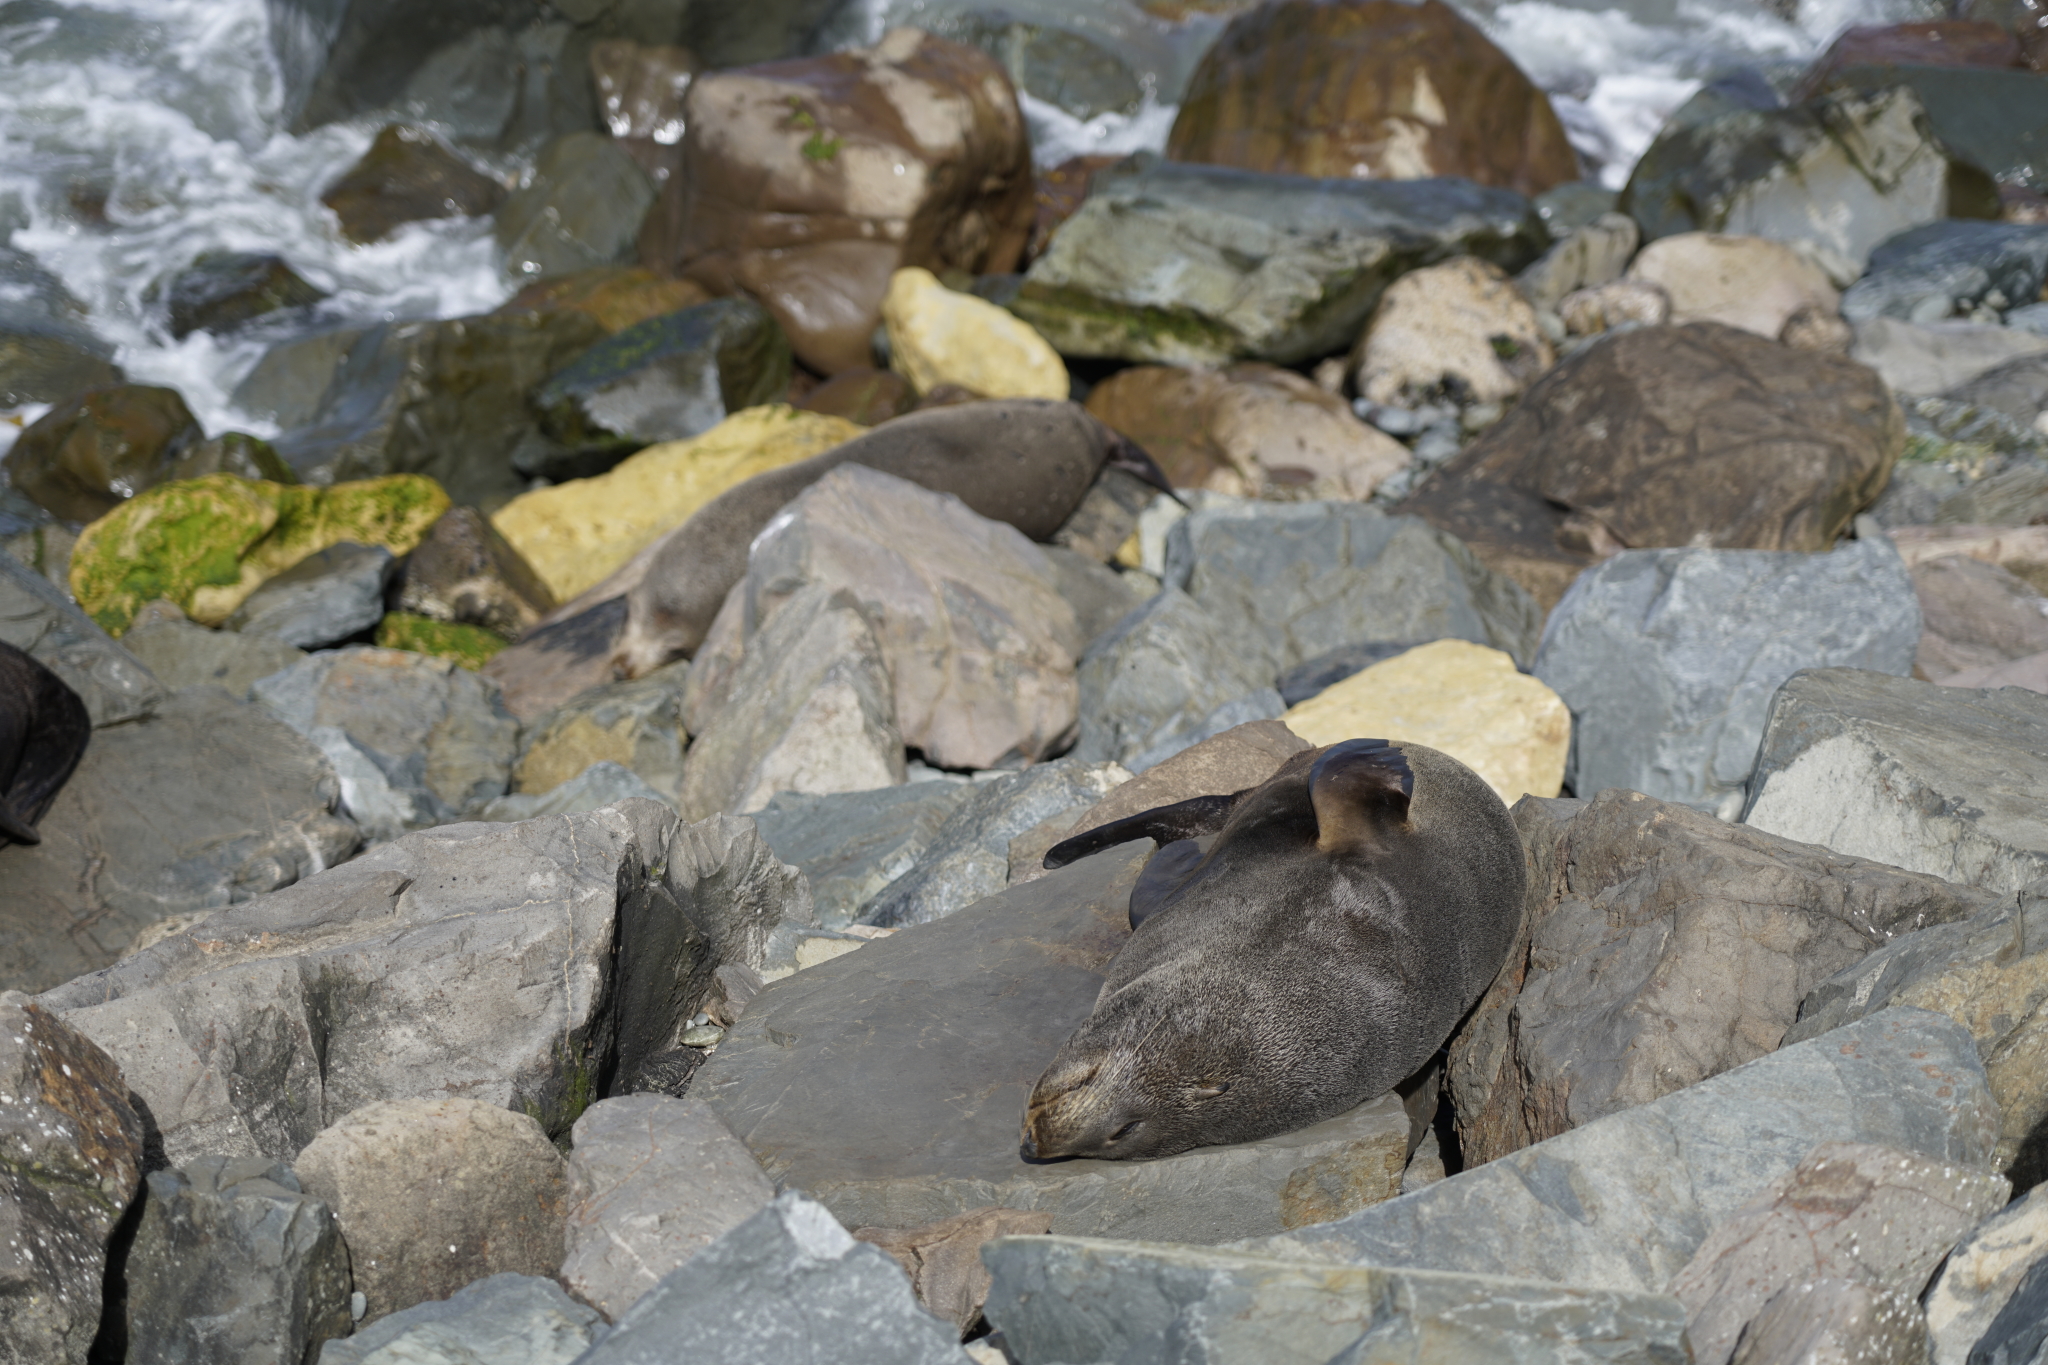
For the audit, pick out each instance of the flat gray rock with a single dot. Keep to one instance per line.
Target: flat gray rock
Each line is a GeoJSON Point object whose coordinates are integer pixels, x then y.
{"type": "Point", "coordinates": [1078, 1301]}
{"type": "Point", "coordinates": [206, 803]}
{"type": "Point", "coordinates": [1946, 780]}
{"type": "Point", "coordinates": [598, 786]}
{"type": "Point", "coordinates": [850, 845]}
{"type": "Point", "coordinates": [322, 600]}
{"type": "Point", "coordinates": [913, 1058]}
{"type": "Point", "coordinates": [1624, 1202]}
{"type": "Point", "coordinates": [500, 1320]}
{"type": "Point", "coordinates": [187, 654]}
{"type": "Point", "coordinates": [1668, 659]}
{"type": "Point", "coordinates": [37, 619]}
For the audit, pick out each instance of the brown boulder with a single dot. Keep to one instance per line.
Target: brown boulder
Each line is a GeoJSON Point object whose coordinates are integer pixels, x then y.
{"type": "Point", "coordinates": [1371, 89]}
{"type": "Point", "coordinates": [807, 183]}
{"type": "Point", "coordinates": [1700, 435]}
{"type": "Point", "coordinates": [405, 177]}
{"type": "Point", "coordinates": [86, 456]}
{"type": "Point", "coordinates": [616, 295]}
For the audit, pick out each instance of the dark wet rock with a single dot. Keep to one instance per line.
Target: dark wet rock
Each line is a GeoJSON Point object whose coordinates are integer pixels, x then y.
{"type": "Point", "coordinates": [502, 1319]}
{"type": "Point", "coordinates": [405, 177]}
{"type": "Point", "coordinates": [38, 619]}
{"type": "Point", "coordinates": [1292, 265]}
{"type": "Point", "coordinates": [640, 89]}
{"type": "Point", "coordinates": [232, 452]}
{"type": "Point", "coordinates": [1051, 63]}
{"type": "Point", "coordinates": [221, 291]}
{"type": "Point", "coordinates": [465, 572]}
{"type": "Point", "coordinates": [1982, 116]}
{"type": "Point", "coordinates": [85, 455]}
{"type": "Point", "coordinates": [1950, 268]}
{"type": "Point", "coordinates": [324, 599]}
{"type": "Point", "coordinates": [233, 1261]}
{"type": "Point", "coordinates": [132, 839]}
{"type": "Point", "coordinates": [582, 207]}
{"type": "Point", "coordinates": [288, 383]}
{"type": "Point", "coordinates": [184, 654]}
{"type": "Point", "coordinates": [852, 845]}
{"type": "Point", "coordinates": [616, 295]}
{"type": "Point", "coordinates": [73, 1144]}
{"type": "Point", "coordinates": [665, 379]}
{"type": "Point", "coordinates": [47, 350]}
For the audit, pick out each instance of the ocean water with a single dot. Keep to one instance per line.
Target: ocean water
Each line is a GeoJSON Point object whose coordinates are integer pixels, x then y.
{"type": "Point", "coordinates": [139, 135]}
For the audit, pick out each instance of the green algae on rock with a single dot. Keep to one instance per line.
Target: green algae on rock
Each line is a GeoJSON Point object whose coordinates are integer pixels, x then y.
{"type": "Point", "coordinates": [470, 646]}
{"type": "Point", "coordinates": [207, 543]}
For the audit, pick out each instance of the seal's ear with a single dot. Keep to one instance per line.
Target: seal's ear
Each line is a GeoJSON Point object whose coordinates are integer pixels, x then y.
{"type": "Point", "coordinates": [1359, 788]}
{"type": "Point", "coordinates": [1183, 820]}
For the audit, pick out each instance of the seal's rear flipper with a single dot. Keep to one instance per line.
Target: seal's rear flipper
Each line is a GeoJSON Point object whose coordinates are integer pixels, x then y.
{"type": "Point", "coordinates": [1359, 788]}
{"type": "Point", "coordinates": [1135, 460]}
{"type": "Point", "coordinates": [1188, 819]}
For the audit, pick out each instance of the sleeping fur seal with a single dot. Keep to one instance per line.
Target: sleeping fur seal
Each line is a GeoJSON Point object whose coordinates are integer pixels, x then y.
{"type": "Point", "coordinates": [1296, 949]}
{"type": "Point", "coordinates": [44, 729]}
{"type": "Point", "coordinates": [1025, 461]}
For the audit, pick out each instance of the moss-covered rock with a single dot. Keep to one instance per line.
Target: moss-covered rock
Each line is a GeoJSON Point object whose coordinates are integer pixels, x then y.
{"type": "Point", "coordinates": [470, 646]}
{"type": "Point", "coordinates": [207, 543]}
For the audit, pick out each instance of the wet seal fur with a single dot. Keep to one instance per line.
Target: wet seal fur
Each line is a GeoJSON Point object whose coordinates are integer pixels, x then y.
{"type": "Point", "coordinates": [1025, 461]}
{"type": "Point", "coordinates": [44, 729]}
{"type": "Point", "coordinates": [1296, 949]}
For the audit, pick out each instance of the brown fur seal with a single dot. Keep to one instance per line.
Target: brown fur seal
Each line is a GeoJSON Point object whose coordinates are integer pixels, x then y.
{"type": "Point", "coordinates": [44, 729]}
{"type": "Point", "coordinates": [1025, 461]}
{"type": "Point", "coordinates": [1343, 918]}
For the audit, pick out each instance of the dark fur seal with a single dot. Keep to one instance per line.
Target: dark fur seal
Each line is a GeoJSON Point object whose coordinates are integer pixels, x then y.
{"type": "Point", "coordinates": [1296, 949]}
{"type": "Point", "coordinates": [44, 729]}
{"type": "Point", "coordinates": [1026, 461]}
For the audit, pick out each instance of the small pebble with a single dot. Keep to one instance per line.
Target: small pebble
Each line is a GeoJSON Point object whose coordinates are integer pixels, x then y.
{"type": "Point", "coordinates": [702, 1035]}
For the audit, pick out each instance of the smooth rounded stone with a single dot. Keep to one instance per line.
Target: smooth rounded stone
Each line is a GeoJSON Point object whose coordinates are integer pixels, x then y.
{"type": "Point", "coordinates": [234, 1261]}
{"type": "Point", "coordinates": [1611, 306]}
{"type": "Point", "coordinates": [2020, 550]}
{"type": "Point", "coordinates": [1584, 257]}
{"type": "Point", "coordinates": [1939, 356]}
{"type": "Point", "coordinates": [884, 1139]}
{"type": "Point", "coordinates": [1460, 328]}
{"type": "Point", "coordinates": [1624, 1202]}
{"type": "Point", "coordinates": [502, 1319]}
{"type": "Point", "coordinates": [1203, 265]}
{"type": "Point", "coordinates": [1709, 436]}
{"type": "Point", "coordinates": [578, 534]}
{"type": "Point", "coordinates": [171, 542]}
{"type": "Point", "coordinates": [812, 709]}
{"type": "Point", "coordinates": [636, 724]}
{"type": "Point", "coordinates": [132, 838]}
{"type": "Point", "coordinates": [617, 296]}
{"type": "Point", "coordinates": [323, 599]}
{"type": "Point", "coordinates": [415, 741]}
{"type": "Point", "coordinates": [434, 1193]}
{"type": "Point", "coordinates": [968, 856]}
{"type": "Point", "coordinates": [600, 785]}
{"type": "Point", "coordinates": [1852, 1211]}
{"type": "Point", "coordinates": [665, 379]}
{"type": "Point", "coordinates": [653, 1181]}
{"type": "Point", "coordinates": [1661, 947]}
{"type": "Point", "coordinates": [84, 456]}
{"type": "Point", "coordinates": [1974, 615]}
{"type": "Point", "coordinates": [223, 290]}
{"type": "Point", "coordinates": [1942, 780]}
{"type": "Point", "coordinates": [405, 177]}
{"type": "Point", "coordinates": [1831, 1321]}
{"type": "Point", "coordinates": [1950, 268]}
{"type": "Point", "coordinates": [1985, 1274]}
{"type": "Point", "coordinates": [47, 351]}
{"type": "Point", "coordinates": [789, 1284]}
{"type": "Point", "coordinates": [938, 336]}
{"type": "Point", "coordinates": [1669, 659]}
{"type": "Point", "coordinates": [1370, 89]}
{"type": "Point", "coordinates": [182, 654]}
{"type": "Point", "coordinates": [1726, 162]}
{"type": "Point", "coordinates": [864, 395]}
{"type": "Point", "coordinates": [640, 88]}
{"type": "Point", "coordinates": [1464, 699]}
{"type": "Point", "coordinates": [39, 620]}
{"type": "Point", "coordinates": [74, 1164]}
{"type": "Point", "coordinates": [232, 452]}
{"type": "Point", "coordinates": [465, 573]}
{"type": "Point", "coordinates": [581, 207]}
{"type": "Point", "coordinates": [1747, 282]}
{"type": "Point", "coordinates": [1084, 1300]}
{"type": "Point", "coordinates": [794, 197]}
{"type": "Point", "coordinates": [851, 845]}
{"type": "Point", "coordinates": [1247, 429]}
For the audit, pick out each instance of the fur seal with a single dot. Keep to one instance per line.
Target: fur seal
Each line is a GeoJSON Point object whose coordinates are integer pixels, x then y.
{"type": "Point", "coordinates": [1296, 949]}
{"type": "Point", "coordinates": [44, 729]}
{"type": "Point", "coordinates": [1025, 461]}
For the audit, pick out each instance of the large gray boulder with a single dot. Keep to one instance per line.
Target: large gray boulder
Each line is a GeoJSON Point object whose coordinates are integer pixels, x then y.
{"type": "Point", "coordinates": [40, 621]}
{"type": "Point", "coordinates": [207, 802]}
{"type": "Point", "coordinates": [1078, 1301]}
{"type": "Point", "coordinates": [1944, 780]}
{"type": "Point", "coordinates": [185, 654]}
{"type": "Point", "coordinates": [1668, 659]}
{"type": "Point", "coordinates": [789, 1286]}
{"type": "Point", "coordinates": [503, 1319]}
{"type": "Point", "coordinates": [915, 1056]}
{"type": "Point", "coordinates": [1201, 265]}
{"type": "Point", "coordinates": [1624, 1202]}
{"type": "Point", "coordinates": [851, 845]}
{"type": "Point", "coordinates": [322, 600]}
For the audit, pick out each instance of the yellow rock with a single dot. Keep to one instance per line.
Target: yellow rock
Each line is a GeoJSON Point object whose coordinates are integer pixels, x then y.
{"type": "Point", "coordinates": [1464, 699]}
{"type": "Point", "coordinates": [940, 336]}
{"type": "Point", "coordinates": [578, 533]}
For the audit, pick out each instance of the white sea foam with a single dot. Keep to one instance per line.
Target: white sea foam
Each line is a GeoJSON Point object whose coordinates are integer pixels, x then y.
{"type": "Point", "coordinates": [1057, 134]}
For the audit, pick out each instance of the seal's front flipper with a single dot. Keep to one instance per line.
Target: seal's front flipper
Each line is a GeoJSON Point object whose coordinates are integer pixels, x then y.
{"type": "Point", "coordinates": [1188, 819]}
{"type": "Point", "coordinates": [1360, 790]}
{"type": "Point", "coordinates": [1166, 872]}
